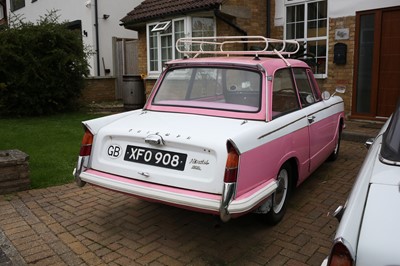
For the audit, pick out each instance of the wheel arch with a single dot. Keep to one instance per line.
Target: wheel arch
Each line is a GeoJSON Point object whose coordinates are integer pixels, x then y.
{"type": "Point", "coordinates": [341, 123]}
{"type": "Point", "coordinates": [294, 164]}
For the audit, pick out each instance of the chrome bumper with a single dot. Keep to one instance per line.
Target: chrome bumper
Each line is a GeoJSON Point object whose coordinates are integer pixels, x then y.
{"type": "Point", "coordinates": [81, 166]}
{"type": "Point", "coordinates": [226, 205]}
{"type": "Point", "coordinates": [227, 196]}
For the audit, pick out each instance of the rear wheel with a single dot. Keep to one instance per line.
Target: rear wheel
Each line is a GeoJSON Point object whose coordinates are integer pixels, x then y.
{"type": "Point", "coordinates": [281, 195]}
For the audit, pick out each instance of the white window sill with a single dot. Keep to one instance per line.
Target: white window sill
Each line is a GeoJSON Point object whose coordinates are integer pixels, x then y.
{"type": "Point", "coordinates": [321, 76]}
{"type": "Point", "coordinates": [153, 76]}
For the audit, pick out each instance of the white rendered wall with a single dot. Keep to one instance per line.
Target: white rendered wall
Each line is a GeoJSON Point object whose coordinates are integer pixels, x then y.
{"type": "Point", "coordinates": [344, 8]}
{"type": "Point", "coordinates": [338, 8]}
{"type": "Point", "coordinates": [110, 27]}
{"type": "Point", "coordinates": [84, 10]}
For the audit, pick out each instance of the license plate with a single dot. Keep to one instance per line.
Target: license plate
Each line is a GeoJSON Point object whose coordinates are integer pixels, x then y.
{"type": "Point", "coordinates": [166, 159]}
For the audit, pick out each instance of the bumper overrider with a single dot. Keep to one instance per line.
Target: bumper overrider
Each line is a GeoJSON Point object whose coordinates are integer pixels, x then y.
{"type": "Point", "coordinates": [225, 205]}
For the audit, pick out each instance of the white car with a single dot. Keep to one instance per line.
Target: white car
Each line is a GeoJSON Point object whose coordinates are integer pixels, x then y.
{"type": "Point", "coordinates": [367, 233]}
{"type": "Point", "coordinates": [225, 135]}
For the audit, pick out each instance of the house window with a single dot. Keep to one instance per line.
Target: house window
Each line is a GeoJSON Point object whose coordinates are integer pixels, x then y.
{"type": "Point", "coordinates": [179, 32]}
{"type": "Point", "coordinates": [1, 11]}
{"type": "Point", "coordinates": [161, 26]}
{"type": "Point", "coordinates": [162, 37]}
{"type": "Point", "coordinates": [202, 27]}
{"type": "Point", "coordinates": [16, 4]}
{"type": "Point", "coordinates": [307, 23]}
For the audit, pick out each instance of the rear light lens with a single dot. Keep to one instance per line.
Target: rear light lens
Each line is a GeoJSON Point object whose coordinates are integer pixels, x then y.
{"type": "Point", "coordinates": [87, 141]}
{"type": "Point", "coordinates": [340, 256]}
{"type": "Point", "coordinates": [232, 165]}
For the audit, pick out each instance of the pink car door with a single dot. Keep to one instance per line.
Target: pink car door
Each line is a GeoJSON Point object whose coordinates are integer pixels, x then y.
{"type": "Point", "coordinates": [321, 123]}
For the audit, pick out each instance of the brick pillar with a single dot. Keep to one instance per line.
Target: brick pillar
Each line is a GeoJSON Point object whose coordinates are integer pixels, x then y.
{"type": "Point", "coordinates": [14, 171]}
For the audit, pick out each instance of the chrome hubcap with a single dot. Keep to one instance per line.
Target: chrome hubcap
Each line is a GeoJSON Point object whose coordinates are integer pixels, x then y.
{"type": "Point", "coordinates": [337, 146]}
{"type": "Point", "coordinates": [281, 191]}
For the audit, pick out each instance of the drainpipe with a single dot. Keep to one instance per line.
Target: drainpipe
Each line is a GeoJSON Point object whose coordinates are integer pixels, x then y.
{"type": "Point", "coordinates": [96, 26]}
{"type": "Point", "coordinates": [268, 32]}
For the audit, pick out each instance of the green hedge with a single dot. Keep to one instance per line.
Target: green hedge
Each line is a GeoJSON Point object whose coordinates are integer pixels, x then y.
{"type": "Point", "coordinates": [42, 67]}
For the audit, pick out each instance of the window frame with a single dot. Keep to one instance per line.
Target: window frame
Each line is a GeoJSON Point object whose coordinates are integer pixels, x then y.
{"type": "Point", "coordinates": [311, 86]}
{"type": "Point", "coordinates": [2, 12]}
{"type": "Point", "coordinates": [187, 31]}
{"type": "Point", "coordinates": [13, 6]}
{"type": "Point", "coordinates": [306, 39]}
{"type": "Point", "coordinates": [161, 26]}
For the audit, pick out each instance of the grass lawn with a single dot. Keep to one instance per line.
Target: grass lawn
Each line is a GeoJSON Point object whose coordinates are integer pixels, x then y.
{"type": "Point", "coordinates": [52, 143]}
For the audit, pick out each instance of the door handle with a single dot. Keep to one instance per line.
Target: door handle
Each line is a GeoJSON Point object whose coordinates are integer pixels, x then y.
{"type": "Point", "coordinates": [311, 119]}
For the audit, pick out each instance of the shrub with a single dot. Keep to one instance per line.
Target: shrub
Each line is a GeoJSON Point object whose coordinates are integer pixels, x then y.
{"type": "Point", "coordinates": [42, 68]}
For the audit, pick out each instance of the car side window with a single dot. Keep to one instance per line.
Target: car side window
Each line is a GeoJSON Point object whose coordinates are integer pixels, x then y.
{"type": "Point", "coordinates": [314, 86]}
{"type": "Point", "coordinates": [305, 87]}
{"type": "Point", "coordinates": [284, 95]}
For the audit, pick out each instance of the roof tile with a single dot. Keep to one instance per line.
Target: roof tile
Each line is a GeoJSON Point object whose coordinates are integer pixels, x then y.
{"type": "Point", "coordinates": [153, 9]}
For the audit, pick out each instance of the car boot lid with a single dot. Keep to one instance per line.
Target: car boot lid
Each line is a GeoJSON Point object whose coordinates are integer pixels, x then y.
{"type": "Point", "coordinates": [188, 151]}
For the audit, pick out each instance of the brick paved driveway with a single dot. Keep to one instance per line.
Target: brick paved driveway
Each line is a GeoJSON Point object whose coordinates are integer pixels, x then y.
{"type": "Point", "coordinates": [67, 225]}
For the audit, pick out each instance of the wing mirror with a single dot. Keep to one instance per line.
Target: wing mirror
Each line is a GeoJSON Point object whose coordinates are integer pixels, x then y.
{"type": "Point", "coordinates": [369, 143]}
{"type": "Point", "coordinates": [338, 213]}
{"type": "Point", "coordinates": [339, 89]}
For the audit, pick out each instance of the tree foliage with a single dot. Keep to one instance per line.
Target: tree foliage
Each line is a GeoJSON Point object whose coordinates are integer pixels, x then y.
{"type": "Point", "coordinates": [42, 67]}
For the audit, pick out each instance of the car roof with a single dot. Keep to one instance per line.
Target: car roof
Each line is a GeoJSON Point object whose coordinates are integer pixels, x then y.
{"type": "Point", "coordinates": [270, 64]}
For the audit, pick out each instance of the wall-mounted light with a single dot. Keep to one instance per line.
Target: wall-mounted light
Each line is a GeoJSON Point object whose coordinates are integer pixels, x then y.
{"type": "Point", "coordinates": [85, 33]}
{"type": "Point", "coordinates": [105, 16]}
{"type": "Point", "coordinates": [88, 3]}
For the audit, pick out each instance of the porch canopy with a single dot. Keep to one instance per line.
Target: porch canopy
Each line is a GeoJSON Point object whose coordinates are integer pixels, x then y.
{"type": "Point", "coordinates": [155, 10]}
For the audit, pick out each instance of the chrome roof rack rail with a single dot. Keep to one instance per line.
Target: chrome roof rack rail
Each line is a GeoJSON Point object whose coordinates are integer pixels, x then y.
{"type": "Point", "coordinates": [222, 45]}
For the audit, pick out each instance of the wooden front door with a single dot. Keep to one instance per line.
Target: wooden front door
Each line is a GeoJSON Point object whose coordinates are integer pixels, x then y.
{"type": "Point", "coordinates": [377, 63]}
{"type": "Point", "coordinates": [389, 70]}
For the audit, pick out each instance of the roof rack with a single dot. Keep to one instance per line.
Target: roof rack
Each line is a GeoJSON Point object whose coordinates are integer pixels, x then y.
{"type": "Point", "coordinates": [222, 45]}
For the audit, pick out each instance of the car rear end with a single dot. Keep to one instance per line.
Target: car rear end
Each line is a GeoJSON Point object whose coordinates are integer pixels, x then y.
{"type": "Point", "coordinates": [184, 147]}
{"type": "Point", "coordinates": [154, 156]}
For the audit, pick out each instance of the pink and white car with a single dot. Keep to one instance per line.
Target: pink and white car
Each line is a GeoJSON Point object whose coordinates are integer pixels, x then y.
{"type": "Point", "coordinates": [225, 135]}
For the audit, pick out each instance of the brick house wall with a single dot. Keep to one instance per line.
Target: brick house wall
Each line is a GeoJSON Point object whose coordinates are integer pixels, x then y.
{"type": "Point", "coordinates": [142, 60]}
{"type": "Point", "coordinates": [251, 17]}
{"type": "Point", "coordinates": [98, 89]}
{"type": "Point", "coordinates": [341, 75]}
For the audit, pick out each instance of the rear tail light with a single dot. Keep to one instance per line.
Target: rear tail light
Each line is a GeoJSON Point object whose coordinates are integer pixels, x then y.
{"type": "Point", "coordinates": [87, 141]}
{"type": "Point", "coordinates": [340, 256]}
{"type": "Point", "coordinates": [232, 165]}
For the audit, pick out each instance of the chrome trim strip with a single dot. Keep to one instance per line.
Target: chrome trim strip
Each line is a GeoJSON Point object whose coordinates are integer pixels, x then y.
{"type": "Point", "coordinates": [389, 162]}
{"type": "Point", "coordinates": [320, 110]}
{"type": "Point", "coordinates": [286, 125]}
{"type": "Point", "coordinates": [295, 121]}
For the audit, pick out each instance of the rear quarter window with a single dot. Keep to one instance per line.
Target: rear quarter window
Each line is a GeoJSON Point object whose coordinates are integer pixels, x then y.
{"type": "Point", "coordinates": [284, 95]}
